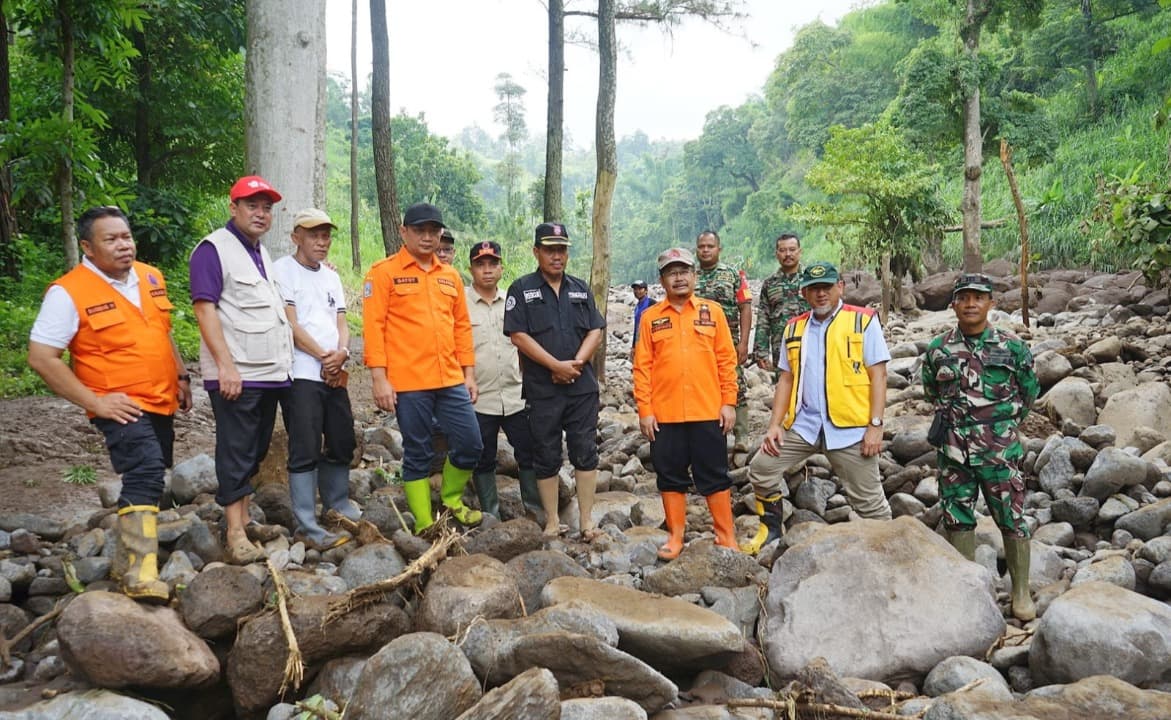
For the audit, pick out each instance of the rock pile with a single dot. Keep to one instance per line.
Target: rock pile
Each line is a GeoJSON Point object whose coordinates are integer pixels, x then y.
{"type": "Point", "coordinates": [840, 613]}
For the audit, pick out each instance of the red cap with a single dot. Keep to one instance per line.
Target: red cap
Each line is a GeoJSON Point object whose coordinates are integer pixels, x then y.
{"type": "Point", "coordinates": [250, 185]}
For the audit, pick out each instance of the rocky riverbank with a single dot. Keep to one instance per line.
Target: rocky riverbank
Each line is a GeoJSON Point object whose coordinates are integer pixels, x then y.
{"type": "Point", "coordinates": [842, 614]}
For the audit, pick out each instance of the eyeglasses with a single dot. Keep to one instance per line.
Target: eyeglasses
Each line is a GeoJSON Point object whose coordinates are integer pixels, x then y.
{"type": "Point", "coordinates": [677, 272]}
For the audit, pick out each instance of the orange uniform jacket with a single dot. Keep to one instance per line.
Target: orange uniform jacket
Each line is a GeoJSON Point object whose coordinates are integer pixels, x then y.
{"type": "Point", "coordinates": [119, 348]}
{"type": "Point", "coordinates": [684, 363]}
{"type": "Point", "coordinates": [415, 323]}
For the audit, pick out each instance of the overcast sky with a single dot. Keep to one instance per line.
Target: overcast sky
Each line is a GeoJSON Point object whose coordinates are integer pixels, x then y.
{"type": "Point", "coordinates": [445, 56]}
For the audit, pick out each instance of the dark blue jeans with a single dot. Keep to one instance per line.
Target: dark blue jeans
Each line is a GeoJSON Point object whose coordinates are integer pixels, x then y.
{"type": "Point", "coordinates": [141, 453]}
{"type": "Point", "coordinates": [452, 408]}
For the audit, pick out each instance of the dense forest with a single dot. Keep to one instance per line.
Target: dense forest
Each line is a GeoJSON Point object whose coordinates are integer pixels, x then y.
{"type": "Point", "coordinates": [855, 141]}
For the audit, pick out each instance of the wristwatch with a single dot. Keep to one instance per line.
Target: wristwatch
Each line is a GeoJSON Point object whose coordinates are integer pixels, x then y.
{"type": "Point", "coordinates": [875, 422]}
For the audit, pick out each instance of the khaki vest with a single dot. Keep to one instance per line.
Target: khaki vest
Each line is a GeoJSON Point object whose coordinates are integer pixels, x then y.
{"type": "Point", "coordinates": [252, 315]}
{"type": "Point", "coordinates": [847, 384]}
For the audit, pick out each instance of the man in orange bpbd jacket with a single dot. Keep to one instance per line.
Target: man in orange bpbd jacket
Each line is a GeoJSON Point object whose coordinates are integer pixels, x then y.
{"type": "Point", "coordinates": [422, 362]}
{"type": "Point", "coordinates": [113, 315]}
{"type": "Point", "coordinates": [685, 387]}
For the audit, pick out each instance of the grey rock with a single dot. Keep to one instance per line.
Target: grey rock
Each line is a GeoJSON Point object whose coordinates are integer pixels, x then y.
{"type": "Point", "coordinates": [704, 564]}
{"type": "Point", "coordinates": [1051, 367]}
{"type": "Point", "coordinates": [1096, 698]}
{"type": "Point", "coordinates": [1071, 399]}
{"type": "Point", "coordinates": [898, 575]}
{"type": "Point", "coordinates": [1145, 523]}
{"type": "Point", "coordinates": [1160, 579]}
{"type": "Point", "coordinates": [218, 597]}
{"type": "Point", "coordinates": [1080, 512]}
{"type": "Point", "coordinates": [1157, 550]}
{"type": "Point", "coordinates": [178, 570]}
{"type": "Point", "coordinates": [533, 570]}
{"type": "Point", "coordinates": [953, 673]}
{"type": "Point", "coordinates": [603, 708]}
{"type": "Point", "coordinates": [1056, 533]}
{"type": "Point", "coordinates": [1057, 473]}
{"type": "Point", "coordinates": [337, 679]}
{"type": "Point", "coordinates": [90, 705]}
{"type": "Point", "coordinates": [813, 494]}
{"type": "Point", "coordinates": [1098, 436]}
{"type": "Point", "coordinates": [47, 528]}
{"type": "Point", "coordinates": [420, 676]}
{"type": "Point", "coordinates": [1115, 570]}
{"type": "Point", "coordinates": [193, 477]}
{"type": "Point", "coordinates": [1113, 470]}
{"type": "Point", "coordinates": [370, 564]}
{"type": "Point", "coordinates": [1097, 629]}
{"type": "Point", "coordinates": [532, 694]}
{"type": "Point", "coordinates": [202, 541]}
{"type": "Point", "coordinates": [508, 539]}
{"type": "Point", "coordinates": [1148, 405]}
{"type": "Point", "coordinates": [467, 588]}
{"type": "Point", "coordinates": [662, 631]}
{"type": "Point", "coordinates": [904, 504]}
{"type": "Point", "coordinates": [115, 642]}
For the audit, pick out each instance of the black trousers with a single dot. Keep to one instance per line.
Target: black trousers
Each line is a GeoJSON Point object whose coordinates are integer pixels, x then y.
{"type": "Point", "coordinates": [698, 445]}
{"type": "Point", "coordinates": [516, 429]}
{"type": "Point", "coordinates": [243, 431]}
{"type": "Point", "coordinates": [141, 452]}
{"type": "Point", "coordinates": [314, 411]}
{"type": "Point", "coordinates": [577, 415]}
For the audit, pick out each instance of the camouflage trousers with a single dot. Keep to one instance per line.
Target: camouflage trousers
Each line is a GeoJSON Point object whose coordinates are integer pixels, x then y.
{"type": "Point", "coordinates": [998, 477]}
{"type": "Point", "coordinates": [741, 387]}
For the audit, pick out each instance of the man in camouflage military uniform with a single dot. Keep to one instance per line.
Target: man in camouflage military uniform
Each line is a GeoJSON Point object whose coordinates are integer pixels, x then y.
{"type": "Point", "coordinates": [721, 282]}
{"type": "Point", "coordinates": [780, 299]}
{"type": "Point", "coordinates": [982, 383]}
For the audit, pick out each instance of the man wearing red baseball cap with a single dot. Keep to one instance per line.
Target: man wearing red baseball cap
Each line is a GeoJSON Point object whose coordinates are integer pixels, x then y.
{"type": "Point", "coordinates": [245, 349]}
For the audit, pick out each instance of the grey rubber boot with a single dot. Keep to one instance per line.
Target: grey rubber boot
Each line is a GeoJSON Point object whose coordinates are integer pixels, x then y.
{"type": "Point", "coordinates": [303, 495]}
{"type": "Point", "coordinates": [485, 483]}
{"type": "Point", "coordinates": [530, 495]}
{"type": "Point", "coordinates": [334, 479]}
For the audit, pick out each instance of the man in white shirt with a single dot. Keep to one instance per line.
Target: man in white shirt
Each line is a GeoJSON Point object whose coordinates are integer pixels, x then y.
{"type": "Point", "coordinates": [500, 405]}
{"type": "Point", "coordinates": [318, 405]}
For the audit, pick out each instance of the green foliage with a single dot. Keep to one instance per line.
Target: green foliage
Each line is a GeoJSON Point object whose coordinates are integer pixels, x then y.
{"type": "Point", "coordinates": [16, 377]}
{"type": "Point", "coordinates": [1137, 217]}
{"type": "Point", "coordinates": [81, 475]}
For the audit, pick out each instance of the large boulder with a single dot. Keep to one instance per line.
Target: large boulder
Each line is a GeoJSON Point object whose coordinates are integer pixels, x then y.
{"type": "Point", "coordinates": [1097, 628]}
{"type": "Point", "coordinates": [878, 600]}
{"type": "Point", "coordinates": [533, 569]}
{"type": "Point", "coordinates": [1148, 405]}
{"type": "Point", "coordinates": [1147, 522]}
{"type": "Point", "coordinates": [257, 661]}
{"type": "Point", "coordinates": [115, 642]}
{"type": "Point", "coordinates": [1071, 398]}
{"type": "Point", "coordinates": [463, 589]}
{"type": "Point", "coordinates": [218, 597]}
{"type": "Point", "coordinates": [1097, 698]}
{"type": "Point", "coordinates": [90, 705]}
{"type": "Point", "coordinates": [532, 695]}
{"type": "Point", "coordinates": [420, 676]}
{"type": "Point", "coordinates": [662, 631]}
{"type": "Point", "coordinates": [1113, 469]}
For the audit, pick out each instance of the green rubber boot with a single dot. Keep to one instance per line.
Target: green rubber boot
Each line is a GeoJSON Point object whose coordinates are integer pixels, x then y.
{"type": "Point", "coordinates": [419, 501]}
{"type": "Point", "coordinates": [964, 541]}
{"type": "Point", "coordinates": [486, 491]}
{"type": "Point", "coordinates": [1016, 556]}
{"type": "Point", "coordinates": [452, 491]}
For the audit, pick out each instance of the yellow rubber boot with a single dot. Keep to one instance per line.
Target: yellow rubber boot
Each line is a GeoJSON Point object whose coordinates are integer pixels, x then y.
{"type": "Point", "coordinates": [418, 494]}
{"type": "Point", "coordinates": [675, 505]}
{"type": "Point", "coordinates": [452, 491]}
{"type": "Point", "coordinates": [771, 512]}
{"type": "Point", "coordinates": [138, 532]}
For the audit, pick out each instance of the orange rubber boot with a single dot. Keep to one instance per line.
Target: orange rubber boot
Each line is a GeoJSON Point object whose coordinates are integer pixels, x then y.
{"type": "Point", "coordinates": [720, 505]}
{"type": "Point", "coordinates": [675, 505]}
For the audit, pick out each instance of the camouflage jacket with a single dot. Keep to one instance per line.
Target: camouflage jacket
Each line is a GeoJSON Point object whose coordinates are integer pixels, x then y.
{"type": "Point", "coordinates": [780, 299]}
{"type": "Point", "coordinates": [986, 386]}
{"type": "Point", "coordinates": [723, 284]}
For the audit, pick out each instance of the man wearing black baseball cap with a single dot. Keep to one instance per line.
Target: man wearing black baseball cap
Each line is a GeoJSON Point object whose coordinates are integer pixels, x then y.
{"type": "Point", "coordinates": [553, 320]}
{"type": "Point", "coordinates": [500, 405]}
{"type": "Point", "coordinates": [642, 301]}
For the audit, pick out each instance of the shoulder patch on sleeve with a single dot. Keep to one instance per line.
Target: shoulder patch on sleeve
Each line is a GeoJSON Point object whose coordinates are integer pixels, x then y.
{"type": "Point", "coordinates": [510, 303]}
{"type": "Point", "coordinates": [367, 289]}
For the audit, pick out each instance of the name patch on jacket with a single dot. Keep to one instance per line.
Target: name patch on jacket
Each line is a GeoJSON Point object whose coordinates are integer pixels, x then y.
{"type": "Point", "coordinates": [578, 295]}
{"type": "Point", "coordinates": [445, 281]}
{"type": "Point", "coordinates": [705, 316]}
{"type": "Point", "coordinates": [158, 292]}
{"type": "Point", "coordinates": [95, 309]}
{"type": "Point", "coordinates": [663, 323]}
{"type": "Point", "coordinates": [408, 280]}
{"type": "Point", "coordinates": [532, 296]}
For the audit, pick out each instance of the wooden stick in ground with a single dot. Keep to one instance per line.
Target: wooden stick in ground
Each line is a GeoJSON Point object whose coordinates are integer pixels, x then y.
{"type": "Point", "coordinates": [1023, 220]}
{"type": "Point", "coordinates": [364, 531]}
{"type": "Point", "coordinates": [373, 593]}
{"type": "Point", "coordinates": [294, 667]}
{"type": "Point", "coordinates": [828, 711]}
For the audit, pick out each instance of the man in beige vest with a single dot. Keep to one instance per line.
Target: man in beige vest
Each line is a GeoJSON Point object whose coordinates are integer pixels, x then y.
{"type": "Point", "coordinates": [245, 349]}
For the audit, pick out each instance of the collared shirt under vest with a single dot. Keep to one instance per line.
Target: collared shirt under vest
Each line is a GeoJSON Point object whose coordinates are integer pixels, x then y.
{"type": "Point", "coordinates": [831, 387]}
{"type": "Point", "coordinates": [122, 348]}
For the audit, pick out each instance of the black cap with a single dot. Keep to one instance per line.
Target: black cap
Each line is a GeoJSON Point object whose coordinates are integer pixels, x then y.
{"type": "Point", "coordinates": [420, 213]}
{"type": "Point", "coordinates": [551, 234]}
{"type": "Point", "coordinates": [487, 248]}
{"type": "Point", "coordinates": [638, 283]}
{"type": "Point", "coordinates": [446, 236]}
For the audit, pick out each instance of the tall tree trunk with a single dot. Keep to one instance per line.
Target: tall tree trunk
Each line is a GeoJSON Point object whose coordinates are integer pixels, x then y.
{"type": "Point", "coordinates": [555, 115]}
{"type": "Point", "coordinates": [284, 132]}
{"type": "Point", "coordinates": [388, 212]}
{"type": "Point", "coordinates": [9, 257]}
{"type": "Point", "coordinates": [1023, 220]}
{"type": "Point", "coordinates": [355, 199]}
{"type": "Point", "coordinates": [65, 166]}
{"type": "Point", "coordinates": [607, 168]}
{"type": "Point", "coordinates": [142, 134]}
{"type": "Point", "coordinates": [973, 139]}
{"type": "Point", "coordinates": [1091, 64]}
